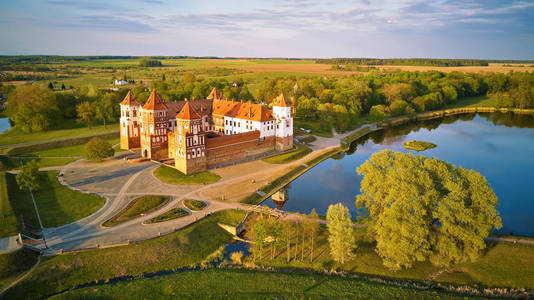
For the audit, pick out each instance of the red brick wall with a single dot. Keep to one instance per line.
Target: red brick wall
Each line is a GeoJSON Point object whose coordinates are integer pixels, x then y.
{"type": "Point", "coordinates": [237, 147]}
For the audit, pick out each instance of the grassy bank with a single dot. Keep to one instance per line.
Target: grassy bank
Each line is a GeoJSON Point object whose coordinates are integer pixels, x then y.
{"type": "Point", "coordinates": [194, 204]}
{"type": "Point", "coordinates": [183, 248]}
{"type": "Point", "coordinates": [289, 156]}
{"type": "Point", "coordinates": [171, 175]}
{"type": "Point", "coordinates": [482, 101]}
{"type": "Point", "coordinates": [69, 128]}
{"type": "Point", "coordinates": [312, 125]}
{"type": "Point", "coordinates": [500, 265]}
{"type": "Point", "coordinates": [173, 213]}
{"type": "Point", "coordinates": [57, 204]}
{"type": "Point", "coordinates": [14, 264]}
{"type": "Point", "coordinates": [136, 208]}
{"type": "Point", "coordinates": [8, 219]}
{"type": "Point", "coordinates": [242, 284]}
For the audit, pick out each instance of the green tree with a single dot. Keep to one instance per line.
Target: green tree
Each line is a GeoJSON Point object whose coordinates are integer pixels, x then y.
{"type": "Point", "coordinates": [422, 208]}
{"type": "Point", "coordinates": [63, 86]}
{"type": "Point", "coordinates": [105, 109]}
{"type": "Point", "coordinates": [86, 113]}
{"type": "Point", "coordinates": [189, 77]}
{"type": "Point", "coordinates": [260, 234]}
{"type": "Point", "coordinates": [377, 113]}
{"type": "Point", "coordinates": [28, 177]}
{"type": "Point", "coordinates": [50, 86]}
{"type": "Point", "coordinates": [33, 108]}
{"type": "Point", "coordinates": [340, 232]}
{"type": "Point", "coordinates": [98, 149]}
{"type": "Point", "coordinates": [312, 226]}
{"type": "Point", "coordinates": [288, 231]}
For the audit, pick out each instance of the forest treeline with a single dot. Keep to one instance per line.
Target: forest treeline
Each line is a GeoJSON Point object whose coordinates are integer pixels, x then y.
{"type": "Point", "coordinates": [339, 101]}
{"type": "Point", "coordinates": [332, 102]}
{"type": "Point", "coordinates": [435, 62]}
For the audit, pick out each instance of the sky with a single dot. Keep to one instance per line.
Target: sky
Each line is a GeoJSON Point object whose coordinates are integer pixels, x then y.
{"type": "Point", "coordinates": [485, 29]}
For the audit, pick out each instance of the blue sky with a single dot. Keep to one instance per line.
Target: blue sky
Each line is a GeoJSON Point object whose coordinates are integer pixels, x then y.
{"type": "Point", "coordinates": [499, 29]}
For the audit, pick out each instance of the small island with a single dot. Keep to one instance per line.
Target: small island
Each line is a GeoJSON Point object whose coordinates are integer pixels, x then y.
{"type": "Point", "coordinates": [418, 145]}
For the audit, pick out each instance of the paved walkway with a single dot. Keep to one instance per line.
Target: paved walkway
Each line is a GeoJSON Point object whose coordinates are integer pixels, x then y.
{"type": "Point", "coordinates": [10, 244]}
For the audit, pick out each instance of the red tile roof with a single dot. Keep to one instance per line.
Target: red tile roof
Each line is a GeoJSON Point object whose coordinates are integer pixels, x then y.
{"type": "Point", "coordinates": [188, 113]}
{"type": "Point", "coordinates": [154, 102]}
{"type": "Point", "coordinates": [280, 101]}
{"type": "Point", "coordinates": [129, 99]}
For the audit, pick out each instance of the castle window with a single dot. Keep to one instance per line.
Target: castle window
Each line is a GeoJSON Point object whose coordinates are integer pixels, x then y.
{"type": "Point", "coordinates": [277, 126]}
{"type": "Point", "coordinates": [135, 124]}
{"type": "Point", "coordinates": [135, 113]}
{"type": "Point", "coordinates": [198, 152]}
{"type": "Point", "coordinates": [127, 113]}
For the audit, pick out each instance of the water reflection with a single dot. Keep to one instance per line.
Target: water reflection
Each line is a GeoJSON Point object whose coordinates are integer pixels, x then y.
{"type": "Point", "coordinates": [498, 145]}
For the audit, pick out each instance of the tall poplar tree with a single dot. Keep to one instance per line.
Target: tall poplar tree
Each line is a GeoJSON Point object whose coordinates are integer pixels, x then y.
{"type": "Point", "coordinates": [340, 232]}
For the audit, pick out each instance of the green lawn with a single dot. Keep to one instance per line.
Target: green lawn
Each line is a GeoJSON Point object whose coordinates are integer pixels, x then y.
{"type": "Point", "coordinates": [243, 284]}
{"type": "Point", "coordinates": [12, 265]}
{"type": "Point", "coordinates": [186, 247]}
{"type": "Point", "coordinates": [58, 205]}
{"type": "Point", "coordinates": [137, 207]}
{"type": "Point", "coordinates": [312, 125]}
{"type": "Point", "coordinates": [69, 128]}
{"type": "Point", "coordinates": [66, 151]}
{"type": "Point", "coordinates": [194, 204]}
{"type": "Point", "coordinates": [172, 214]}
{"type": "Point", "coordinates": [173, 176]}
{"type": "Point", "coordinates": [8, 219]}
{"type": "Point", "coordinates": [501, 265]}
{"type": "Point", "coordinates": [289, 156]}
{"type": "Point", "coordinates": [489, 101]}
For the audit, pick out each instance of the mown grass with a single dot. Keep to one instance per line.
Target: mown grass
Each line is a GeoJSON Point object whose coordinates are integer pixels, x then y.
{"type": "Point", "coordinates": [243, 284]}
{"type": "Point", "coordinates": [500, 265]}
{"type": "Point", "coordinates": [8, 219]}
{"type": "Point", "coordinates": [69, 128]}
{"type": "Point", "coordinates": [186, 247]}
{"type": "Point", "coordinates": [484, 101]}
{"type": "Point", "coordinates": [13, 264]}
{"type": "Point", "coordinates": [57, 204]}
{"type": "Point", "coordinates": [136, 208]}
{"type": "Point", "coordinates": [65, 151]}
{"type": "Point", "coordinates": [173, 176]}
{"type": "Point", "coordinates": [314, 126]}
{"type": "Point", "coordinates": [194, 204]}
{"type": "Point", "coordinates": [289, 156]}
{"type": "Point", "coordinates": [173, 213]}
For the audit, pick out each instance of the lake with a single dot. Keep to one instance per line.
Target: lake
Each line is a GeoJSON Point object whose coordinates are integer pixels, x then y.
{"type": "Point", "coordinates": [500, 146]}
{"type": "Point", "coordinates": [4, 124]}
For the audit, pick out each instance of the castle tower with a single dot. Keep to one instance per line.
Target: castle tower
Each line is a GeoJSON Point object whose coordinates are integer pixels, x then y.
{"type": "Point", "coordinates": [284, 124]}
{"type": "Point", "coordinates": [189, 144]}
{"type": "Point", "coordinates": [215, 94]}
{"type": "Point", "coordinates": [129, 123]}
{"type": "Point", "coordinates": [154, 128]}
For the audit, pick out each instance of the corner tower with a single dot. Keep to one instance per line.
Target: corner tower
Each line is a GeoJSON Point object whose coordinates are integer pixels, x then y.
{"type": "Point", "coordinates": [154, 128]}
{"type": "Point", "coordinates": [189, 144]}
{"type": "Point", "coordinates": [129, 123]}
{"type": "Point", "coordinates": [284, 124]}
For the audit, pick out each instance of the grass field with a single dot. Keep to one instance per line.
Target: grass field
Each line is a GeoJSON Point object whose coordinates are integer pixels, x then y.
{"type": "Point", "coordinates": [501, 265]}
{"type": "Point", "coordinates": [314, 126]}
{"type": "Point", "coordinates": [8, 219]}
{"type": "Point", "coordinates": [69, 128]}
{"type": "Point", "coordinates": [287, 157]}
{"type": "Point", "coordinates": [67, 151]}
{"type": "Point", "coordinates": [194, 204]}
{"type": "Point", "coordinates": [58, 205]}
{"type": "Point", "coordinates": [173, 213]}
{"type": "Point", "coordinates": [242, 284]}
{"type": "Point", "coordinates": [474, 102]}
{"type": "Point", "coordinates": [136, 208]}
{"type": "Point", "coordinates": [12, 265]}
{"type": "Point", "coordinates": [173, 176]}
{"type": "Point", "coordinates": [186, 247]}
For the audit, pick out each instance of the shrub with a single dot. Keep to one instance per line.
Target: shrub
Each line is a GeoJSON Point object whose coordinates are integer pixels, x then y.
{"type": "Point", "coordinates": [236, 258]}
{"type": "Point", "coordinates": [98, 149]}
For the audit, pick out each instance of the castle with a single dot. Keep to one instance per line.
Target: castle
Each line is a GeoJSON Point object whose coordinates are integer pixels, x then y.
{"type": "Point", "coordinates": [205, 133]}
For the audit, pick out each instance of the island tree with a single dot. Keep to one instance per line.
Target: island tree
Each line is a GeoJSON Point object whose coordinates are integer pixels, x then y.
{"type": "Point", "coordinates": [340, 232]}
{"type": "Point", "coordinates": [422, 208]}
{"type": "Point", "coordinates": [98, 149]}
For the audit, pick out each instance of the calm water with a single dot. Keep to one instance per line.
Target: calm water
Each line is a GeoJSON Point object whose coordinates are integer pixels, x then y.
{"type": "Point", "coordinates": [499, 146]}
{"type": "Point", "coordinates": [4, 124]}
